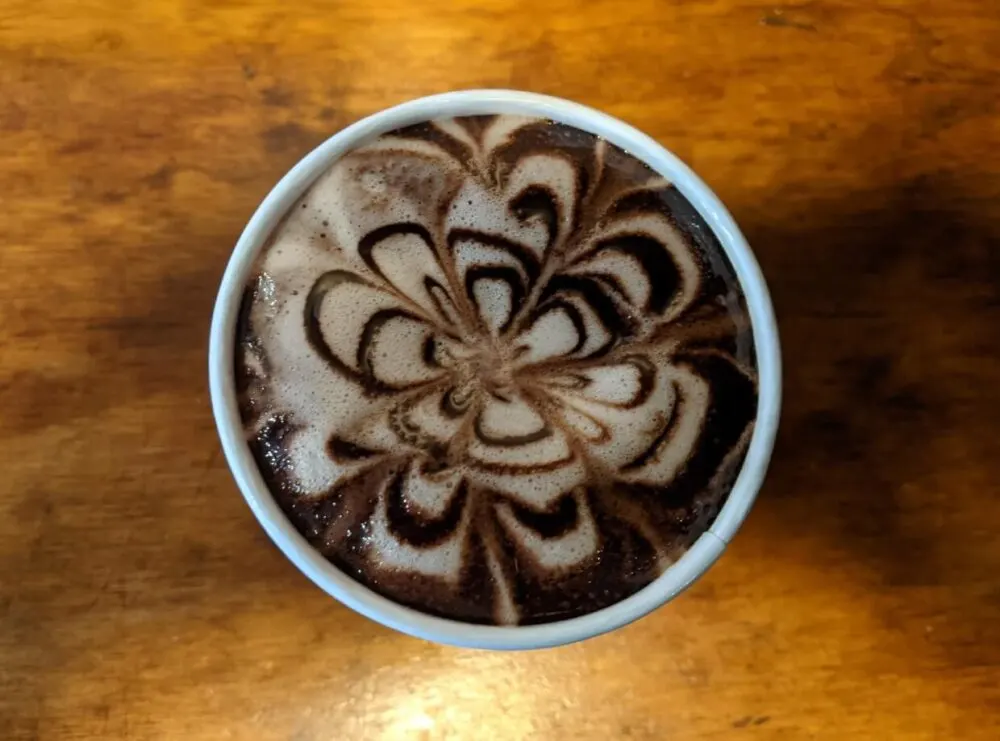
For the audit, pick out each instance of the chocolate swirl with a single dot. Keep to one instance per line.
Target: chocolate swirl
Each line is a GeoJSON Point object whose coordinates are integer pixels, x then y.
{"type": "Point", "coordinates": [496, 369]}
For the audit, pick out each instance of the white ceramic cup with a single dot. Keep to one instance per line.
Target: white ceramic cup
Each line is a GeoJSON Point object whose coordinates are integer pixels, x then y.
{"type": "Point", "coordinates": [679, 575]}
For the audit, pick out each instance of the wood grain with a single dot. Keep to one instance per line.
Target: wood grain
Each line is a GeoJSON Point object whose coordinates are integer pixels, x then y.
{"type": "Point", "coordinates": [857, 142]}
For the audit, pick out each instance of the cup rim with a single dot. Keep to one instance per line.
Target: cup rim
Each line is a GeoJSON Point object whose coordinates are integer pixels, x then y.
{"type": "Point", "coordinates": [679, 575]}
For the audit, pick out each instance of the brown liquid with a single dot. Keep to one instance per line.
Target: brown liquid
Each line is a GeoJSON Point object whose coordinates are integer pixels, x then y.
{"type": "Point", "coordinates": [496, 369]}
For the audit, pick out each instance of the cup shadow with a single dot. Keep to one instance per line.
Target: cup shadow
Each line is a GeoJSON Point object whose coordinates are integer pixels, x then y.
{"type": "Point", "coordinates": [887, 305]}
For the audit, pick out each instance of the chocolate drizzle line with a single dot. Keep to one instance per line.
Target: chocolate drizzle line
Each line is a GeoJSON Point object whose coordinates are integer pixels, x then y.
{"type": "Point", "coordinates": [415, 529]}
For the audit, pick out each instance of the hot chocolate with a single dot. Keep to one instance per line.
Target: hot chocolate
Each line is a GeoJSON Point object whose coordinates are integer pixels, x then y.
{"type": "Point", "coordinates": [496, 369]}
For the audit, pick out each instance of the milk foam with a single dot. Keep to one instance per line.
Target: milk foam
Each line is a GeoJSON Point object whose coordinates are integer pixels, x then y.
{"type": "Point", "coordinates": [472, 335]}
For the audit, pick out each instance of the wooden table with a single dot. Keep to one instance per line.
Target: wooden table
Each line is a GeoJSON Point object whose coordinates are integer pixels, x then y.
{"type": "Point", "coordinates": [857, 142]}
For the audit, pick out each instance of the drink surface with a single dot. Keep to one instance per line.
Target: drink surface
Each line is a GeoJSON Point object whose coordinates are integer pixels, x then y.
{"type": "Point", "coordinates": [496, 369]}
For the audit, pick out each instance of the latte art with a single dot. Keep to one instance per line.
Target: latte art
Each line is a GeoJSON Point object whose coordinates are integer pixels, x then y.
{"type": "Point", "coordinates": [496, 369]}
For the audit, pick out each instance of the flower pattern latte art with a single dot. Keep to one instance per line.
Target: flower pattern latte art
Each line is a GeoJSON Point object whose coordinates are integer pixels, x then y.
{"type": "Point", "coordinates": [496, 369]}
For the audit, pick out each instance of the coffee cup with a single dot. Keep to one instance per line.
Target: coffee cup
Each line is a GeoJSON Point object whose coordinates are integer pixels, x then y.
{"type": "Point", "coordinates": [675, 578]}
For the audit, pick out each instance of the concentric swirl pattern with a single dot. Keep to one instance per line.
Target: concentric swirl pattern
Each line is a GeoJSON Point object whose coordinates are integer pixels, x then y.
{"type": "Point", "coordinates": [496, 369]}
